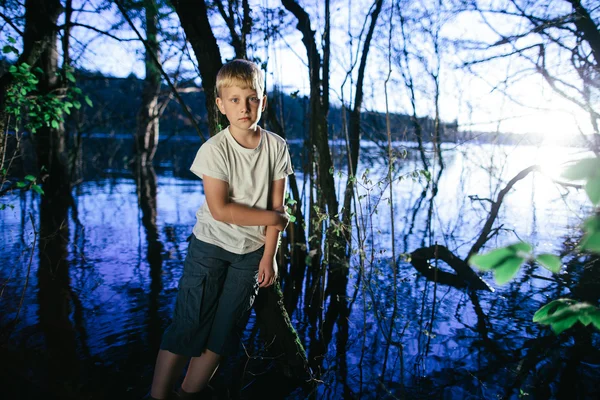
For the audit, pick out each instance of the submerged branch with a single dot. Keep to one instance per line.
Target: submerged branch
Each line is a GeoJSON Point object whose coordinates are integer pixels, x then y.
{"type": "Point", "coordinates": [487, 228]}
{"type": "Point", "coordinates": [465, 277]}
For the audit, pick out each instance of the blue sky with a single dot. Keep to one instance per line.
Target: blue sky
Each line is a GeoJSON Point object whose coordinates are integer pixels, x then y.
{"type": "Point", "coordinates": [478, 98]}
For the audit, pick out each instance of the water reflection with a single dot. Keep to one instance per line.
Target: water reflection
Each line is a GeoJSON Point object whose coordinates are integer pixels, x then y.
{"type": "Point", "coordinates": [146, 195]}
{"type": "Point", "coordinates": [60, 312]}
{"type": "Point", "coordinates": [103, 286]}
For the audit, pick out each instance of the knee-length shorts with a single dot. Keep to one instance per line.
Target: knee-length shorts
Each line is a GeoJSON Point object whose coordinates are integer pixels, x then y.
{"type": "Point", "coordinates": [216, 292]}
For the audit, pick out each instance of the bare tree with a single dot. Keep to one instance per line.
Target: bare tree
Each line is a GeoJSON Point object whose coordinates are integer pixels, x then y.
{"type": "Point", "coordinates": [196, 25]}
{"type": "Point", "coordinates": [548, 37]}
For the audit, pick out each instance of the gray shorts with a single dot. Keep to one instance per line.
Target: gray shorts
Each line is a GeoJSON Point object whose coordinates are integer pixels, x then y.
{"type": "Point", "coordinates": [216, 292]}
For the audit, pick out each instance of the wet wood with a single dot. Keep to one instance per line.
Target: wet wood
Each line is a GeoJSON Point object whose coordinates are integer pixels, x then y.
{"type": "Point", "coordinates": [465, 277]}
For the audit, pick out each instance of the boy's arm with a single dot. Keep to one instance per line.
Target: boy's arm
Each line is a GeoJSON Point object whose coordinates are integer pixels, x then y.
{"type": "Point", "coordinates": [217, 197]}
{"type": "Point", "coordinates": [267, 269]}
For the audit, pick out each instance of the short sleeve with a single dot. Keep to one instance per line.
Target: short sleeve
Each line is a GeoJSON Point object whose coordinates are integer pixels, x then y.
{"type": "Point", "coordinates": [210, 161]}
{"type": "Point", "coordinates": [283, 167]}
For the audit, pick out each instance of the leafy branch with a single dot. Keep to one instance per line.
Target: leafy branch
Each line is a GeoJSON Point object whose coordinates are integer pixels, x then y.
{"type": "Point", "coordinates": [505, 262]}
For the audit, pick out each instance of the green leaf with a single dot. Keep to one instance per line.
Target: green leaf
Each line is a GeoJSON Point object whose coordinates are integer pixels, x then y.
{"type": "Point", "coordinates": [30, 178]}
{"type": "Point", "coordinates": [592, 188]}
{"type": "Point", "coordinates": [595, 316]}
{"type": "Point", "coordinates": [550, 308]}
{"type": "Point", "coordinates": [291, 202]}
{"type": "Point", "coordinates": [37, 189]}
{"type": "Point", "coordinates": [12, 40]}
{"type": "Point", "coordinates": [88, 101]}
{"type": "Point", "coordinates": [505, 272]}
{"type": "Point", "coordinates": [563, 324]}
{"type": "Point", "coordinates": [70, 76]}
{"type": "Point", "coordinates": [292, 219]}
{"type": "Point", "coordinates": [550, 262]}
{"type": "Point", "coordinates": [582, 169]}
{"type": "Point", "coordinates": [591, 239]}
{"type": "Point", "coordinates": [21, 185]}
{"type": "Point", "coordinates": [54, 124]}
{"type": "Point", "coordinates": [308, 260]}
{"type": "Point", "coordinates": [591, 242]}
{"type": "Point", "coordinates": [490, 260]}
{"type": "Point", "coordinates": [12, 69]}
{"type": "Point", "coordinates": [9, 49]}
{"type": "Point", "coordinates": [497, 257]}
{"type": "Point", "coordinates": [561, 314]}
{"type": "Point", "coordinates": [76, 104]}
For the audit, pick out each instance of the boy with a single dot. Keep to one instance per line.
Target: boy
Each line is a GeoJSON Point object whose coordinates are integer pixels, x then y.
{"type": "Point", "coordinates": [232, 250]}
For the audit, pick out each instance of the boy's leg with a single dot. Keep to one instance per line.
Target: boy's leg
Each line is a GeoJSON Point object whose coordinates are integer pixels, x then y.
{"type": "Point", "coordinates": [239, 289]}
{"type": "Point", "coordinates": [200, 371]}
{"type": "Point", "coordinates": [167, 370]}
{"type": "Point", "coordinates": [199, 287]}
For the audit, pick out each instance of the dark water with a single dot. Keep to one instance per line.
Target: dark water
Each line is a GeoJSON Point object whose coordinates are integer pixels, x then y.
{"type": "Point", "coordinates": [95, 305]}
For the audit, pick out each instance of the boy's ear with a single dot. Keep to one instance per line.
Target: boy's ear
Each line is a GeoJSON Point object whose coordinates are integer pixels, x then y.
{"type": "Point", "coordinates": [220, 105]}
{"type": "Point", "coordinates": [264, 103]}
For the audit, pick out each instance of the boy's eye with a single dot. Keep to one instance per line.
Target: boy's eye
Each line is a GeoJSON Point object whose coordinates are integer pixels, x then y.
{"type": "Point", "coordinates": [254, 99]}
{"type": "Point", "coordinates": [234, 100]}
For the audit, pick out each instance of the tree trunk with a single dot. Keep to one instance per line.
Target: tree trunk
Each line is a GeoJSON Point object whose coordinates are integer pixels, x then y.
{"type": "Point", "coordinates": [354, 131]}
{"type": "Point", "coordinates": [146, 138]}
{"type": "Point", "coordinates": [40, 32]}
{"type": "Point", "coordinates": [194, 20]}
{"type": "Point", "coordinates": [274, 320]}
{"type": "Point", "coordinates": [588, 29]}
{"type": "Point", "coordinates": [41, 17]}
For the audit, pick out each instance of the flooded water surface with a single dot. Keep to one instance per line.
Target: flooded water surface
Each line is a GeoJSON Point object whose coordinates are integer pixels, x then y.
{"type": "Point", "coordinates": [83, 311]}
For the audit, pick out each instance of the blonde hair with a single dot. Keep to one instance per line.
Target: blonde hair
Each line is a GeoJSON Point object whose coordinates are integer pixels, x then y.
{"type": "Point", "coordinates": [242, 73]}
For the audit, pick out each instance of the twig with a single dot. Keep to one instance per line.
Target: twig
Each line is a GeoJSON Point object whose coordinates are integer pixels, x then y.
{"type": "Point", "coordinates": [35, 234]}
{"type": "Point", "coordinates": [484, 235]}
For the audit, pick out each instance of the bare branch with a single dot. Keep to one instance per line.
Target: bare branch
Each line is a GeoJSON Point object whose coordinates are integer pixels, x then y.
{"type": "Point", "coordinates": [100, 31]}
{"type": "Point", "coordinates": [9, 21]}
{"type": "Point", "coordinates": [487, 228]}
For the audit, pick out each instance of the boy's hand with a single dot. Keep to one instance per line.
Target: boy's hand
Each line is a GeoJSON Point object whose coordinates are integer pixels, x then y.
{"type": "Point", "coordinates": [284, 218]}
{"type": "Point", "coordinates": [267, 272]}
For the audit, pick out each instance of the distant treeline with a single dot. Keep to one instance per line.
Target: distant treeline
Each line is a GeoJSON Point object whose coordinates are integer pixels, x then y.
{"type": "Point", "coordinates": [117, 100]}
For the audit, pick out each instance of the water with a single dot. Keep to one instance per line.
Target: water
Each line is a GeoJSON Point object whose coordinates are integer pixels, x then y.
{"type": "Point", "coordinates": [93, 310]}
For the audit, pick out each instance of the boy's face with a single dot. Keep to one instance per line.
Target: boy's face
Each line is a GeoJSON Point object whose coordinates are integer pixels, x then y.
{"type": "Point", "coordinates": [242, 107]}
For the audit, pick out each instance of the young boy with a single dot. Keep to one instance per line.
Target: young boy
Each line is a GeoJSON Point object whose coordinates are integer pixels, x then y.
{"type": "Point", "coordinates": [232, 250]}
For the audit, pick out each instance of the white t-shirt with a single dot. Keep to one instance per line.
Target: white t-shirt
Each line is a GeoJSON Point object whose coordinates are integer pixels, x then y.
{"type": "Point", "coordinates": [249, 173]}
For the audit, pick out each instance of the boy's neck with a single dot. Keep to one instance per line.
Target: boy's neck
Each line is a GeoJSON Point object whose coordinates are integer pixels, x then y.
{"type": "Point", "coordinates": [248, 139]}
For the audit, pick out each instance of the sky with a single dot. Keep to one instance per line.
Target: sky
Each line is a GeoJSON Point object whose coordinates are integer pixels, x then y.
{"type": "Point", "coordinates": [480, 99]}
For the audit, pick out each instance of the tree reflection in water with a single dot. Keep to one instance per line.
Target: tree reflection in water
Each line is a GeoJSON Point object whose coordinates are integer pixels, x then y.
{"type": "Point", "coordinates": [104, 286]}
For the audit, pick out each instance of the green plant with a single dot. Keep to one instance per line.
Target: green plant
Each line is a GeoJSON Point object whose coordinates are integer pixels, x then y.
{"type": "Point", "coordinates": [27, 108]}
{"type": "Point", "coordinates": [505, 262]}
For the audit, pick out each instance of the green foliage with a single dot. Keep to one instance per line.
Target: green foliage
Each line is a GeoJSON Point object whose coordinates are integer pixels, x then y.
{"type": "Point", "coordinates": [27, 106]}
{"type": "Point", "coordinates": [591, 238]}
{"type": "Point", "coordinates": [561, 314]}
{"type": "Point", "coordinates": [587, 169]}
{"type": "Point", "coordinates": [550, 262]}
{"type": "Point", "coordinates": [289, 202]}
{"type": "Point", "coordinates": [29, 182]}
{"type": "Point", "coordinates": [505, 261]}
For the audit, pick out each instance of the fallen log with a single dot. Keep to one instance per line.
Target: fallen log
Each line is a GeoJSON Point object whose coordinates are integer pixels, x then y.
{"type": "Point", "coordinates": [465, 277]}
